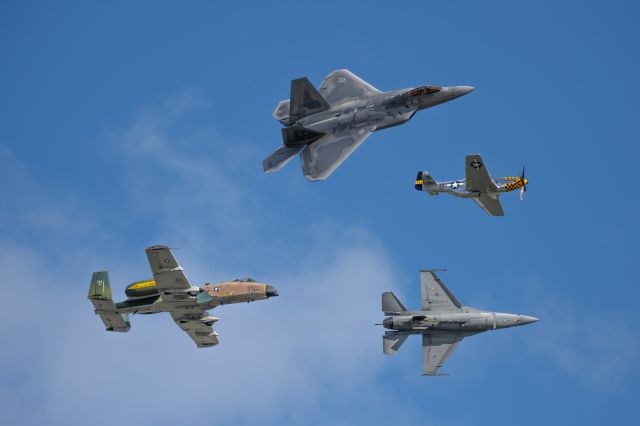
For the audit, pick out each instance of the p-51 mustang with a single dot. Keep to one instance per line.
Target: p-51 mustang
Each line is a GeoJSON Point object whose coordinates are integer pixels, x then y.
{"type": "Point", "coordinates": [442, 322]}
{"type": "Point", "coordinates": [478, 185]}
{"type": "Point", "coordinates": [170, 291]}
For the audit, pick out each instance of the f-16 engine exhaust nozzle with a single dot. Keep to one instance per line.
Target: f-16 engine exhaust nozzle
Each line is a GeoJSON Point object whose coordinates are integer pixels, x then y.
{"type": "Point", "coordinates": [387, 323]}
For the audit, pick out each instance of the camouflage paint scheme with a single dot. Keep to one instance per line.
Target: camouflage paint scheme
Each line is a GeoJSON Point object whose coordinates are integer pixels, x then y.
{"type": "Point", "coordinates": [325, 126]}
{"type": "Point", "coordinates": [478, 185]}
{"type": "Point", "coordinates": [170, 291]}
{"type": "Point", "coordinates": [443, 322]}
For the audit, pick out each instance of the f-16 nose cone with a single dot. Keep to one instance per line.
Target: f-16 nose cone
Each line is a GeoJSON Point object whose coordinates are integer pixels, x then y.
{"type": "Point", "coordinates": [525, 319]}
{"type": "Point", "coordinates": [271, 291]}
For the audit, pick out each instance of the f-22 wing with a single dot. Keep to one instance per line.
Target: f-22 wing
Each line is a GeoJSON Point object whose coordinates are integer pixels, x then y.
{"type": "Point", "coordinates": [173, 286]}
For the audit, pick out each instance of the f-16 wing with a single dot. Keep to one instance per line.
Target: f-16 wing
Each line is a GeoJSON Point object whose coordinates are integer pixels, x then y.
{"type": "Point", "coordinates": [167, 273]}
{"type": "Point", "coordinates": [490, 204]}
{"type": "Point", "coordinates": [478, 178]}
{"type": "Point", "coordinates": [436, 348]}
{"type": "Point", "coordinates": [435, 295]}
{"type": "Point", "coordinates": [322, 157]}
{"type": "Point", "coordinates": [341, 85]}
{"type": "Point", "coordinates": [197, 323]}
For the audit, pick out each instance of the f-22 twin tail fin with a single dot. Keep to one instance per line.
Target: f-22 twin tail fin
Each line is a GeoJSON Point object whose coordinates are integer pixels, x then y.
{"type": "Point", "coordinates": [305, 100]}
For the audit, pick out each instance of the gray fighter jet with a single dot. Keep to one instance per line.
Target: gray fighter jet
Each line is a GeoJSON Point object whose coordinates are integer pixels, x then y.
{"type": "Point", "coordinates": [443, 322]}
{"type": "Point", "coordinates": [479, 186]}
{"type": "Point", "coordinates": [325, 126]}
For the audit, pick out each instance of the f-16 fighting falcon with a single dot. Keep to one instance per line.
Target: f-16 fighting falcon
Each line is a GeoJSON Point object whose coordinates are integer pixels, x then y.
{"type": "Point", "coordinates": [443, 322]}
{"type": "Point", "coordinates": [170, 291]}
{"type": "Point", "coordinates": [478, 185]}
{"type": "Point", "coordinates": [325, 126]}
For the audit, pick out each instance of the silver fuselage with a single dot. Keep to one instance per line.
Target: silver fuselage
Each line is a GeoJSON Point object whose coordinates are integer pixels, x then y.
{"type": "Point", "coordinates": [206, 297]}
{"type": "Point", "coordinates": [458, 188]}
{"type": "Point", "coordinates": [467, 321]}
{"type": "Point", "coordinates": [383, 110]}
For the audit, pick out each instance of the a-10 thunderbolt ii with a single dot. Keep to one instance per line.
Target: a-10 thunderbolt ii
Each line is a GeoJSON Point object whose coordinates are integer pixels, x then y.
{"type": "Point", "coordinates": [478, 185]}
{"type": "Point", "coordinates": [170, 291]}
{"type": "Point", "coordinates": [325, 126]}
{"type": "Point", "coordinates": [442, 322]}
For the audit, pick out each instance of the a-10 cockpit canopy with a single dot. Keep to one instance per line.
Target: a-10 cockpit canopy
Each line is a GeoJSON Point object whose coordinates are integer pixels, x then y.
{"type": "Point", "coordinates": [245, 280]}
{"type": "Point", "coordinates": [424, 90]}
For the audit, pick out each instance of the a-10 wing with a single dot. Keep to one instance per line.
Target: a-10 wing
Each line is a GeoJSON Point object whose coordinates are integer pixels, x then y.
{"type": "Point", "coordinates": [436, 348]}
{"type": "Point", "coordinates": [194, 323]}
{"type": "Point", "coordinates": [167, 273]}
{"type": "Point", "coordinates": [172, 283]}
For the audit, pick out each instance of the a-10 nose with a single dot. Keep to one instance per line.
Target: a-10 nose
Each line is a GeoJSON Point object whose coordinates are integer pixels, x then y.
{"type": "Point", "coordinates": [271, 291]}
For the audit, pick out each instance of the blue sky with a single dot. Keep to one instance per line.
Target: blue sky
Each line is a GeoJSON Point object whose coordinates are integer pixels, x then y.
{"type": "Point", "coordinates": [124, 125]}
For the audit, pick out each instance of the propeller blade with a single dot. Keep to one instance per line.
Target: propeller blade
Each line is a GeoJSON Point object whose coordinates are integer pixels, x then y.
{"type": "Point", "coordinates": [524, 185]}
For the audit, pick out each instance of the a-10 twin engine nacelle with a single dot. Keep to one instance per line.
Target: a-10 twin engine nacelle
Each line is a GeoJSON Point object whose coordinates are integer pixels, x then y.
{"type": "Point", "coordinates": [144, 288]}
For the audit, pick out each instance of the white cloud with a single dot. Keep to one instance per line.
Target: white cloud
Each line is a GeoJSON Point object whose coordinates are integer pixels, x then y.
{"type": "Point", "coordinates": [285, 359]}
{"type": "Point", "coordinates": [596, 349]}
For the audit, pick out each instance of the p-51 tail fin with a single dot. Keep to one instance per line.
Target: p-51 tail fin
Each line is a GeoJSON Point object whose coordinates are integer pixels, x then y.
{"type": "Point", "coordinates": [100, 296]}
{"type": "Point", "coordinates": [424, 181]}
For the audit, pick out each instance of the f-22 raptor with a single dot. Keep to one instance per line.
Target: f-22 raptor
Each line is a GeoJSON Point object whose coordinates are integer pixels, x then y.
{"type": "Point", "coordinates": [478, 185]}
{"type": "Point", "coordinates": [442, 322]}
{"type": "Point", "coordinates": [170, 291]}
{"type": "Point", "coordinates": [325, 126]}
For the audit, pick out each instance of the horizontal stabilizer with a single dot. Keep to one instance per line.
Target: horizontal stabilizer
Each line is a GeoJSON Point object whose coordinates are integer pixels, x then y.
{"type": "Point", "coordinates": [305, 100]}
{"type": "Point", "coordinates": [424, 181]}
{"type": "Point", "coordinates": [280, 157]}
{"type": "Point", "coordinates": [100, 296]}
{"type": "Point", "coordinates": [390, 303]}
{"type": "Point", "coordinates": [391, 343]}
{"type": "Point", "coordinates": [281, 113]}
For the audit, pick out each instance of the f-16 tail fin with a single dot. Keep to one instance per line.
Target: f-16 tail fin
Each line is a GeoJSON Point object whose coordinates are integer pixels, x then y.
{"type": "Point", "coordinates": [100, 296]}
{"type": "Point", "coordinates": [391, 342]}
{"type": "Point", "coordinates": [424, 181]}
{"type": "Point", "coordinates": [391, 304]}
{"type": "Point", "coordinates": [305, 100]}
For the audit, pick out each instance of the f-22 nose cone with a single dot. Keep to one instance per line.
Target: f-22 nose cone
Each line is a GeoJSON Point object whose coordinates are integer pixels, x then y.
{"type": "Point", "coordinates": [461, 90]}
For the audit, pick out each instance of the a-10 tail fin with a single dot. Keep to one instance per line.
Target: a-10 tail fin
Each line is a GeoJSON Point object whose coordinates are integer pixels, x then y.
{"type": "Point", "coordinates": [424, 181]}
{"type": "Point", "coordinates": [100, 296]}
